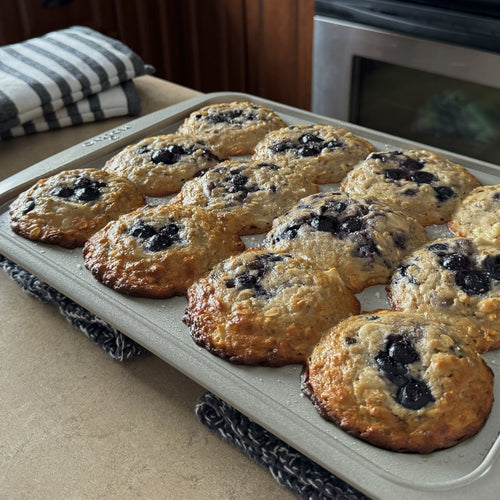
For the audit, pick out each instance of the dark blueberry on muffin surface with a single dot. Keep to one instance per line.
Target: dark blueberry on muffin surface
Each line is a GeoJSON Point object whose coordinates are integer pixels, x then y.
{"type": "Point", "coordinates": [444, 193]}
{"type": "Point", "coordinates": [83, 189]}
{"type": "Point", "coordinates": [393, 174]}
{"type": "Point", "coordinates": [29, 206]}
{"type": "Point", "coordinates": [256, 270]}
{"type": "Point", "coordinates": [308, 144]}
{"type": "Point", "coordinates": [142, 230]}
{"type": "Point", "coordinates": [63, 191]}
{"type": "Point", "coordinates": [422, 177]}
{"type": "Point", "coordinates": [231, 117]}
{"type": "Point", "coordinates": [156, 240]}
{"type": "Point", "coordinates": [169, 155]}
{"type": "Point", "coordinates": [393, 363]}
{"type": "Point", "coordinates": [89, 193]}
{"type": "Point", "coordinates": [492, 265]}
{"type": "Point", "coordinates": [414, 394]}
{"type": "Point", "coordinates": [473, 282]}
{"type": "Point", "coordinates": [455, 261]}
{"type": "Point", "coordinates": [438, 248]}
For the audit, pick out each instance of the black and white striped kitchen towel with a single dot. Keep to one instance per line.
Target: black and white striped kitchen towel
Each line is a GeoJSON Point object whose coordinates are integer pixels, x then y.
{"type": "Point", "coordinates": [66, 77]}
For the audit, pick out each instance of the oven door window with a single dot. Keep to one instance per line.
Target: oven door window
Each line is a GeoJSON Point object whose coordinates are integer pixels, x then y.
{"type": "Point", "coordinates": [444, 112]}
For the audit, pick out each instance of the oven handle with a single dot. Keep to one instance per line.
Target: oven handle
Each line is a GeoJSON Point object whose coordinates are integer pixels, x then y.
{"type": "Point", "coordinates": [416, 20]}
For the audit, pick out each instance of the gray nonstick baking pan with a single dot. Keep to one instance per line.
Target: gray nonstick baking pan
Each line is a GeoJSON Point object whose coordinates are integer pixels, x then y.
{"type": "Point", "coordinates": [269, 396]}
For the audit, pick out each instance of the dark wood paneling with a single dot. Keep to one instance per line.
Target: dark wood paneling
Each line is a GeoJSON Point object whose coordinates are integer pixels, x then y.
{"type": "Point", "coordinates": [13, 25]}
{"type": "Point", "coordinates": [144, 25]}
{"type": "Point", "coordinates": [280, 49]}
{"type": "Point", "coordinates": [24, 19]}
{"type": "Point", "coordinates": [218, 29]}
{"type": "Point", "coordinates": [262, 47]}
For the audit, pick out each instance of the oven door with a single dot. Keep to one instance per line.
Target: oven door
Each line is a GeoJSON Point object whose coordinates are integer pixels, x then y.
{"type": "Point", "coordinates": [436, 93]}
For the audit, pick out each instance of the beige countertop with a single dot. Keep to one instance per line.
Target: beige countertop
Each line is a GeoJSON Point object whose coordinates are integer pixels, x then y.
{"type": "Point", "coordinates": [74, 424]}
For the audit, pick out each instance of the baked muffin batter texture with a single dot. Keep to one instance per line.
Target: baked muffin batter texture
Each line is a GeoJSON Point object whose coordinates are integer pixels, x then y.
{"type": "Point", "coordinates": [264, 308]}
{"type": "Point", "coordinates": [159, 251]}
{"type": "Point", "coordinates": [160, 165]}
{"type": "Point", "coordinates": [417, 182]}
{"type": "Point", "coordinates": [253, 192]}
{"type": "Point", "coordinates": [231, 128]}
{"type": "Point", "coordinates": [456, 279]}
{"type": "Point", "coordinates": [323, 152]}
{"type": "Point", "coordinates": [67, 208]}
{"type": "Point", "coordinates": [400, 381]}
{"type": "Point", "coordinates": [478, 215]}
{"type": "Point", "coordinates": [364, 240]}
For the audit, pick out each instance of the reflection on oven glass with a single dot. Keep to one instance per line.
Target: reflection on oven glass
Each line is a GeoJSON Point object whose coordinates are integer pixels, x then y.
{"type": "Point", "coordinates": [452, 114]}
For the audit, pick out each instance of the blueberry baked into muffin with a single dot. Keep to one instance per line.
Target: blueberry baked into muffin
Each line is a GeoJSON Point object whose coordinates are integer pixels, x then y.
{"type": "Point", "coordinates": [325, 153]}
{"type": "Point", "coordinates": [400, 381]}
{"type": "Point", "coordinates": [160, 165]}
{"type": "Point", "coordinates": [253, 192]}
{"type": "Point", "coordinates": [231, 128]}
{"type": "Point", "coordinates": [159, 251]}
{"type": "Point", "coordinates": [420, 183]}
{"type": "Point", "coordinates": [364, 240]}
{"type": "Point", "coordinates": [478, 215]}
{"type": "Point", "coordinates": [456, 279]}
{"type": "Point", "coordinates": [264, 308]}
{"type": "Point", "coordinates": [67, 208]}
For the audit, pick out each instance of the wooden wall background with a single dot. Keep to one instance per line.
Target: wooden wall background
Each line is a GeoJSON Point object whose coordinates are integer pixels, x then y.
{"type": "Point", "coordinates": [262, 47]}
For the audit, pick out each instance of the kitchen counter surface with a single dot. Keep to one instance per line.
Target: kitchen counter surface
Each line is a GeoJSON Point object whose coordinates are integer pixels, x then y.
{"type": "Point", "coordinates": [76, 424]}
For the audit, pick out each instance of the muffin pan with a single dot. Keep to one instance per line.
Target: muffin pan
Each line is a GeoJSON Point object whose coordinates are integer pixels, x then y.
{"type": "Point", "coordinates": [269, 396]}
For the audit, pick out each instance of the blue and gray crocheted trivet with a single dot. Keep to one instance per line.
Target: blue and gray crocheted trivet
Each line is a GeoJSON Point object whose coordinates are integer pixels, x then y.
{"type": "Point", "coordinates": [289, 467]}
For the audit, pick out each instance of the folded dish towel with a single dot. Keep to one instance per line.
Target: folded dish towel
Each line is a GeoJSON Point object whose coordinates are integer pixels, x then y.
{"type": "Point", "coordinates": [289, 467]}
{"type": "Point", "coordinates": [66, 77]}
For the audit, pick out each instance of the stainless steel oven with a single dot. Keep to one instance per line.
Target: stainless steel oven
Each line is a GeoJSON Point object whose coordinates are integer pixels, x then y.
{"type": "Point", "coordinates": [430, 73]}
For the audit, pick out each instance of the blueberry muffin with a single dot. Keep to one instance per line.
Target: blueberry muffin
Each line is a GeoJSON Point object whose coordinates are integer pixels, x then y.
{"type": "Point", "coordinates": [400, 381]}
{"type": "Point", "coordinates": [159, 251]}
{"type": "Point", "coordinates": [160, 165]}
{"type": "Point", "coordinates": [422, 184]}
{"type": "Point", "coordinates": [478, 215]}
{"type": "Point", "coordinates": [263, 308]}
{"type": "Point", "coordinates": [325, 153]}
{"type": "Point", "coordinates": [362, 239]}
{"type": "Point", "coordinates": [231, 128]}
{"type": "Point", "coordinates": [67, 208]}
{"type": "Point", "coordinates": [253, 192]}
{"type": "Point", "coordinates": [457, 279]}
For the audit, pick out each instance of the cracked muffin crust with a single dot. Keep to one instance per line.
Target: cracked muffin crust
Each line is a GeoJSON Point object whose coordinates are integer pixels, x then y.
{"type": "Point", "coordinates": [419, 183]}
{"type": "Point", "coordinates": [159, 251]}
{"type": "Point", "coordinates": [323, 152]}
{"type": "Point", "coordinates": [253, 192]}
{"type": "Point", "coordinates": [264, 308]}
{"type": "Point", "coordinates": [231, 129]}
{"type": "Point", "coordinates": [160, 165]}
{"type": "Point", "coordinates": [67, 208]}
{"type": "Point", "coordinates": [456, 279]}
{"type": "Point", "coordinates": [400, 381]}
{"type": "Point", "coordinates": [362, 239]}
{"type": "Point", "coordinates": [478, 215]}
